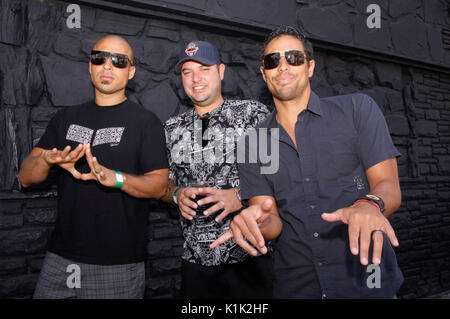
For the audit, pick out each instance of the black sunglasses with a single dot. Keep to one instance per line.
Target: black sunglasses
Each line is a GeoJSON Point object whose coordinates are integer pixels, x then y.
{"type": "Point", "coordinates": [118, 60]}
{"type": "Point", "coordinates": [293, 57]}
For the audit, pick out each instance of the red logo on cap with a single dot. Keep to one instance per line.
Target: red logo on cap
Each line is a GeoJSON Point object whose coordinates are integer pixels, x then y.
{"type": "Point", "coordinates": [191, 49]}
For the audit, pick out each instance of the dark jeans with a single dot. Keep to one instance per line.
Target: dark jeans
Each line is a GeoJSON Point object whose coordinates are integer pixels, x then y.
{"type": "Point", "coordinates": [249, 279]}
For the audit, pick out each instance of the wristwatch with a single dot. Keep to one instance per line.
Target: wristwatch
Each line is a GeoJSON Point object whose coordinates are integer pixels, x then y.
{"type": "Point", "coordinates": [373, 199]}
{"type": "Point", "coordinates": [238, 194]}
{"type": "Point", "coordinates": [244, 203]}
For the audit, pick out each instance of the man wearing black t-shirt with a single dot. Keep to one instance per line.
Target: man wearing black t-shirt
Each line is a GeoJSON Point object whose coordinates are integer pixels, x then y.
{"type": "Point", "coordinates": [110, 157]}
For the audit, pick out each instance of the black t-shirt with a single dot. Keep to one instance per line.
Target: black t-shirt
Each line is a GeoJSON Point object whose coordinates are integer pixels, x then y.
{"type": "Point", "coordinates": [97, 224]}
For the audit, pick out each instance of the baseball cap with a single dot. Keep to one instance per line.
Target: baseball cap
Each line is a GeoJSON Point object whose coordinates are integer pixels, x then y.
{"type": "Point", "coordinates": [199, 51]}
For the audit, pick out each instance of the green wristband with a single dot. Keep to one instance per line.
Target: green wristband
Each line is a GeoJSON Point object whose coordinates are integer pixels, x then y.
{"type": "Point", "coordinates": [119, 179]}
{"type": "Point", "coordinates": [175, 194]}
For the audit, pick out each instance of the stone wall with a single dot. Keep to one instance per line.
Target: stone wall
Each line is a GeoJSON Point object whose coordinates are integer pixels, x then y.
{"type": "Point", "coordinates": [43, 67]}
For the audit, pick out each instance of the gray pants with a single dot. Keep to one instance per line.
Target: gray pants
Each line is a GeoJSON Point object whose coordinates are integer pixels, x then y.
{"type": "Point", "coordinates": [63, 278]}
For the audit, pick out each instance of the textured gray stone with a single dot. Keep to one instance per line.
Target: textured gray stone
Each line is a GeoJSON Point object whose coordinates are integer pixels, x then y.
{"type": "Point", "coordinates": [12, 22]}
{"type": "Point", "coordinates": [11, 221]}
{"type": "Point", "coordinates": [68, 44]}
{"type": "Point", "coordinates": [337, 71]}
{"type": "Point", "coordinates": [435, 45]}
{"type": "Point", "coordinates": [337, 27]}
{"type": "Point", "coordinates": [363, 75]}
{"type": "Point", "coordinates": [158, 55]}
{"type": "Point", "coordinates": [164, 266]}
{"type": "Point", "coordinates": [426, 128]}
{"type": "Point", "coordinates": [18, 286]}
{"type": "Point", "coordinates": [11, 207]}
{"type": "Point", "coordinates": [389, 74]}
{"type": "Point", "coordinates": [111, 22]}
{"type": "Point", "coordinates": [68, 82]}
{"type": "Point", "coordinates": [12, 266]}
{"type": "Point", "coordinates": [171, 35]}
{"type": "Point", "coordinates": [23, 241]}
{"type": "Point", "coordinates": [13, 74]}
{"type": "Point", "coordinates": [16, 145]}
{"type": "Point", "coordinates": [398, 124]}
{"type": "Point", "coordinates": [34, 82]}
{"type": "Point", "coordinates": [161, 100]}
{"type": "Point", "coordinates": [444, 164]}
{"type": "Point", "coordinates": [158, 286]}
{"type": "Point", "coordinates": [432, 114]}
{"type": "Point", "coordinates": [402, 7]}
{"type": "Point", "coordinates": [40, 216]}
{"type": "Point", "coordinates": [409, 36]}
{"type": "Point", "coordinates": [436, 12]}
{"type": "Point", "coordinates": [230, 83]}
{"type": "Point", "coordinates": [43, 20]}
{"type": "Point", "coordinates": [394, 100]}
{"type": "Point", "coordinates": [255, 11]}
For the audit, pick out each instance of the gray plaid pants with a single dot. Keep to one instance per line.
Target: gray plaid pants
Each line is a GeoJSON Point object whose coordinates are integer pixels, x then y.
{"type": "Point", "coordinates": [63, 278]}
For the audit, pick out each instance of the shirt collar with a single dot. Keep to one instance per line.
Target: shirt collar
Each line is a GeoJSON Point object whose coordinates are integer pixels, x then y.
{"type": "Point", "coordinates": [313, 107]}
{"type": "Point", "coordinates": [213, 112]}
{"type": "Point", "coordinates": [314, 104]}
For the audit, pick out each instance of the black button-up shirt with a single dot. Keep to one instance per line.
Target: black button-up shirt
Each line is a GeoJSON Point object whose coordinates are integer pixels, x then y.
{"type": "Point", "coordinates": [338, 139]}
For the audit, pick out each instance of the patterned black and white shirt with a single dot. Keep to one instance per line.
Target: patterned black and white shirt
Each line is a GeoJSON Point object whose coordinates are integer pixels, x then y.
{"type": "Point", "coordinates": [205, 151]}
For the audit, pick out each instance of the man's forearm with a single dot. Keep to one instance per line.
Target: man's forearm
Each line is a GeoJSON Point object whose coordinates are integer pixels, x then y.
{"type": "Point", "coordinates": [34, 169]}
{"type": "Point", "coordinates": [171, 187]}
{"type": "Point", "coordinates": [390, 193]}
{"type": "Point", "coordinates": [145, 186]}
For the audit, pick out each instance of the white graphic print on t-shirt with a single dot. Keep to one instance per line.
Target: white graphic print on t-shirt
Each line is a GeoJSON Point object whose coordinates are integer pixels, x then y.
{"type": "Point", "coordinates": [83, 135]}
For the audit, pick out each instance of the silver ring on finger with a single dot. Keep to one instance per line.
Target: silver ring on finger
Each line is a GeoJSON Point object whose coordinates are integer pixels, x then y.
{"type": "Point", "coordinates": [222, 203]}
{"type": "Point", "coordinates": [376, 231]}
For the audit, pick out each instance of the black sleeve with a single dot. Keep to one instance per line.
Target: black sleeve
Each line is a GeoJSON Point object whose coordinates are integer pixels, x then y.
{"type": "Point", "coordinates": [252, 182]}
{"type": "Point", "coordinates": [374, 141]}
{"type": "Point", "coordinates": [153, 145]}
{"type": "Point", "coordinates": [49, 139]}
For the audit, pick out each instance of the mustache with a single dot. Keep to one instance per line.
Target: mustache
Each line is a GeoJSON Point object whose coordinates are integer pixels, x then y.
{"type": "Point", "coordinates": [288, 74]}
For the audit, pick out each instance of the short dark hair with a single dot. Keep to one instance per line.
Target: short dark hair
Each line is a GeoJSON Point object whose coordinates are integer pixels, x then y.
{"type": "Point", "coordinates": [289, 30]}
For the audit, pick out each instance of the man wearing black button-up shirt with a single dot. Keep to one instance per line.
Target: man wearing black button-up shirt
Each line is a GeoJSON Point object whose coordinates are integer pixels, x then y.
{"type": "Point", "coordinates": [337, 167]}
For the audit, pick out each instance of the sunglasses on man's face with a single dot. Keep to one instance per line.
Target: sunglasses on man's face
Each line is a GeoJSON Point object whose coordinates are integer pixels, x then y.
{"type": "Point", "coordinates": [293, 57]}
{"type": "Point", "coordinates": [117, 59]}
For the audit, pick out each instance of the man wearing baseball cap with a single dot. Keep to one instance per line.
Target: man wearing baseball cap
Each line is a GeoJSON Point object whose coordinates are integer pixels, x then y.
{"type": "Point", "coordinates": [204, 183]}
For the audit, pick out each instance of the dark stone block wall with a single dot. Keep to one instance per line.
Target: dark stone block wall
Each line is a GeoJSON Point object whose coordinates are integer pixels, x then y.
{"type": "Point", "coordinates": [43, 67]}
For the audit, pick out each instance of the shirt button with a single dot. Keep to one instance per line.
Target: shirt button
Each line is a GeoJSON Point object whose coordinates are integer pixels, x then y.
{"type": "Point", "coordinates": [312, 206]}
{"type": "Point", "coordinates": [307, 179]}
{"type": "Point", "coordinates": [316, 235]}
{"type": "Point", "coordinates": [319, 264]}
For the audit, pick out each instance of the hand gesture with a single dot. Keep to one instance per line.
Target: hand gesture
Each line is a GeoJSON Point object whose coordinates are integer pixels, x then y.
{"type": "Point", "coordinates": [185, 201]}
{"type": "Point", "coordinates": [103, 175]}
{"type": "Point", "coordinates": [245, 228]}
{"type": "Point", "coordinates": [225, 199]}
{"type": "Point", "coordinates": [364, 221]}
{"type": "Point", "coordinates": [65, 158]}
